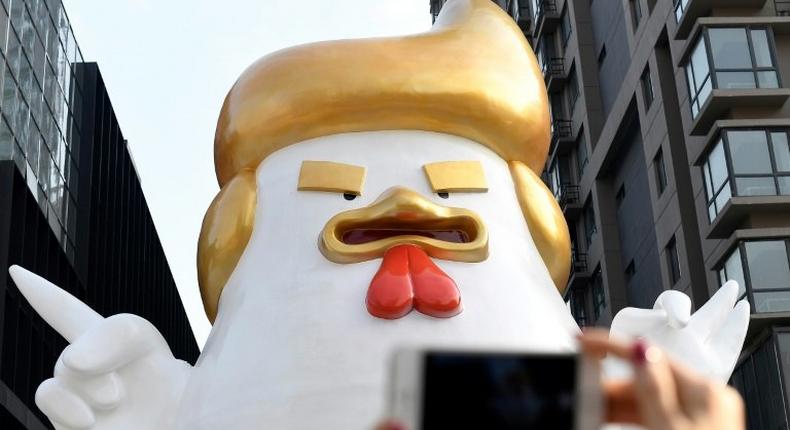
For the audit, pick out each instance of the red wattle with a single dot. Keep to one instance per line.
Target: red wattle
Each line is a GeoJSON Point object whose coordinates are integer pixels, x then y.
{"type": "Point", "coordinates": [435, 293]}
{"type": "Point", "coordinates": [408, 278]}
{"type": "Point", "coordinates": [390, 293]}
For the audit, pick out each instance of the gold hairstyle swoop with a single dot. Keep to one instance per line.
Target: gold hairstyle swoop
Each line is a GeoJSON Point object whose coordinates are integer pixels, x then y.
{"type": "Point", "coordinates": [472, 75]}
{"type": "Point", "coordinates": [226, 230]}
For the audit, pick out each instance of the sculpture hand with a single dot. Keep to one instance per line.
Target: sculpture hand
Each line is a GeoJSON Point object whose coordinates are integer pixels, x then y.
{"type": "Point", "coordinates": [709, 341]}
{"type": "Point", "coordinates": [117, 372]}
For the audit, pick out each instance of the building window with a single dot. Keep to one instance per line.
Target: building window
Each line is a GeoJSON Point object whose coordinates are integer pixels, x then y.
{"type": "Point", "coordinates": [601, 56]}
{"type": "Point", "coordinates": [680, 7]}
{"type": "Point", "coordinates": [565, 27]}
{"type": "Point", "coordinates": [598, 294]}
{"type": "Point", "coordinates": [581, 154]}
{"type": "Point", "coordinates": [620, 196]}
{"type": "Point", "coordinates": [746, 163]}
{"type": "Point", "coordinates": [589, 222]}
{"type": "Point", "coordinates": [673, 263]}
{"type": "Point", "coordinates": [578, 305]}
{"type": "Point", "coordinates": [661, 172]}
{"type": "Point", "coordinates": [636, 12]}
{"type": "Point", "coordinates": [762, 269]}
{"type": "Point", "coordinates": [739, 57]}
{"type": "Point", "coordinates": [573, 89]}
{"type": "Point", "coordinates": [759, 380]}
{"type": "Point", "coordinates": [630, 271]}
{"type": "Point", "coordinates": [647, 88]}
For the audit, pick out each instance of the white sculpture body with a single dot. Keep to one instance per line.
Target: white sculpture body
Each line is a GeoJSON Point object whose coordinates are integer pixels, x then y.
{"type": "Point", "coordinates": [294, 346]}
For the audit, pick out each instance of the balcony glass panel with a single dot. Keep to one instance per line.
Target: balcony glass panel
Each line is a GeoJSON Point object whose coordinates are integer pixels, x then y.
{"type": "Point", "coordinates": [768, 267]}
{"type": "Point", "coordinates": [762, 268]}
{"type": "Point", "coordinates": [730, 48]}
{"type": "Point", "coordinates": [749, 150]}
{"type": "Point", "coordinates": [741, 58]}
{"type": "Point", "coordinates": [756, 161]}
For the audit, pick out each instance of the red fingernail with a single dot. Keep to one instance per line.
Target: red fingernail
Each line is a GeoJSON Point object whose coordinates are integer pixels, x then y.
{"type": "Point", "coordinates": [392, 425]}
{"type": "Point", "coordinates": [639, 353]}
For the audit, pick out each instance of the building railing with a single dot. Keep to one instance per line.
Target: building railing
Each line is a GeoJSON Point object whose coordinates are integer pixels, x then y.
{"type": "Point", "coordinates": [578, 262]}
{"type": "Point", "coordinates": [554, 68]}
{"type": "Point", "coordinates": [544, 7]}
{"type": "Point", "coordinates": [782, 7]}
{"type": "Point", "coordinates": [569, 195]}
{"type": "Point", "coordinates": [561, 129]}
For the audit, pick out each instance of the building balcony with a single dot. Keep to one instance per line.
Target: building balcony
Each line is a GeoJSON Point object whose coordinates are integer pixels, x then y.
{"type": "Point", "coordinates": [547, 18]}
{"type": "Point", "coordinates": [722, 101]}
{"type": "Point", "coordinates": [562, 140]}
{"type": "Point", "coordinates": [688, 11]}
{"type": "Point", "coordinates": [570, 201]}
{"type": "Point", "coordinates": [749, 211]}
{"type": "Point", "coordinates": [554, 74]}
{"type": "Point", "coordinates": [524, 19]}
{"type": "Point", "coordinates": [580, 273]}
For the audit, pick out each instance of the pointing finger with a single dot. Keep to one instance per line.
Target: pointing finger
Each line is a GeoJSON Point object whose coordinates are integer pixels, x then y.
{"type": "Point", "coordinates": [62, 311]}
{"type": "Point", "coordinates": [63, 406]}
{"type": "Point", "coordinates": [728, 340]}
{"type": "Point", "coordinates": [710, 316]}
{"type": "Point", "coordinates": [112, 344]}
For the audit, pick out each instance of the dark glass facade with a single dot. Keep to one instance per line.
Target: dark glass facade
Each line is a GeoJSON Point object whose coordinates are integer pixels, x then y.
{"type": "Point", "coordinates": [71, 205]}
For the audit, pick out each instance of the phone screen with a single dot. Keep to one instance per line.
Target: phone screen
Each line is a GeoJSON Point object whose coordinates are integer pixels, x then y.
{"type": "Point", "coordinates": [504, 391]}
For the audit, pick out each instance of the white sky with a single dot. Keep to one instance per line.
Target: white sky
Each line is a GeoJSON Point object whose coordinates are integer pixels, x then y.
{"type": "Point", "coordinates": [168, 64]}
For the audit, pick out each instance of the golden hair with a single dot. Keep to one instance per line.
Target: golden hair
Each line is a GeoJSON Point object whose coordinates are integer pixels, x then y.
{"type": "Point", "coordinates": [472, 75]}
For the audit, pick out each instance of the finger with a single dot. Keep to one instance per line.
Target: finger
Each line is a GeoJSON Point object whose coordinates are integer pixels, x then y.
{"type": "Point", "coordinates": [62, 311]}
{"type": "Point", "coordinates": [112, 344]}
{"type": "Point", "coordinates": [728, 340]}
{"type": "Point", "coordinates": [654, 385]}
{"type": "Point", "coordinates": [621, 406]}
{"type": "Point", "coordinates": [63, 406]}
{"type": "Point", "coordinates": [677, 307]}
{"type": "Point", "coordinates": [632, 322]}
{"type": "Point", "coordinates": [710, 316]}
{"type": "Point", "coordinates": [597, 343]}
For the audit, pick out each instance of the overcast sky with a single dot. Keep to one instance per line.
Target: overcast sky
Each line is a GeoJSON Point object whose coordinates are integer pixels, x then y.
{"type": "Point", "coordinates": [168, 64]}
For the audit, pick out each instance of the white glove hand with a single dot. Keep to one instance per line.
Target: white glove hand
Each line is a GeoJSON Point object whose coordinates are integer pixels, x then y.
{"type": "Point", "coordinates": [708, 342]}
{"type": "Point", "coordinates": [117, 372]}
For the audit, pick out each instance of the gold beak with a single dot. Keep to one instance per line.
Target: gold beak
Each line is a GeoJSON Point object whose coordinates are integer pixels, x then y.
{"type": "Point", "coordinates": [402, 216]}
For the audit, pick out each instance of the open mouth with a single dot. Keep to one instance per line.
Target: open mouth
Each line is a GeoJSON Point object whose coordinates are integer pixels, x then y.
{"type": "Point", "coordinates": [359, 236]}
{"type": "Point", "coordinates": [401, 216]}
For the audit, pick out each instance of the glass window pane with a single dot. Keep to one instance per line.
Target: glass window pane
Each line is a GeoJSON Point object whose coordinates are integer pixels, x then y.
{"type": "Point", "coordinates": [749, 152]}
{"type": "Point", "coordinates": [767, 79]}
{"type": "Point", "coordinates": [762, 53]}
{"type": "Point", "coordinates": [781, 151]}
{"type": "Point", "coordinates": [772, 302]}
{"type": "Point", "coordinates": [730, 48]}
{"type": "Point", "coordinates": [705, 91]}
{"type": "Point", "coordinates": [768, 267]}
{"type": "Point", "coordinates": [723, 197]}
{"type": "Point", "coordinates": [699, 61]}
{"type": "Point", "coordinates": [718, 167]}
{"type": "Point", "coordinates": [784, 185]}
{"type": "Point", "coordinates": [708, 184]}
{"type": "Point", "coordinates": [735, 80]}
{"type": "Point", "coordinates": [755, 186]}
{"type": "Point", "coordinates": [712, 211]}
{"type": "Point", "coordinates": [733, 270]}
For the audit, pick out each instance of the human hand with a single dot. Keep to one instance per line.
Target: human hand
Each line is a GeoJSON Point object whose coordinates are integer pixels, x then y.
{"type": "Point", "coordinates": [709, 341]}
{"type": "Point", "coordinates": [662, 394]}
{"type": "Point", "coordinates": [117, 372]}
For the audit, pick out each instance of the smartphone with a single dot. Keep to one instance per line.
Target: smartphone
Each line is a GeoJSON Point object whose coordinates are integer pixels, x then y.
{"type": "Point", "coordinates": [496, 390]}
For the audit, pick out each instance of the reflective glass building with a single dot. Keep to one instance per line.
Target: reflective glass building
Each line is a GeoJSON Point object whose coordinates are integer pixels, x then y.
{"type": "Point", "coordinates": [71, 205]}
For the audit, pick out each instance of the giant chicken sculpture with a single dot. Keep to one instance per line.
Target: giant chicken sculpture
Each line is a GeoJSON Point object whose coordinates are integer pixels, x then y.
{"type": "Point", "coordinates": [374, 193]}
